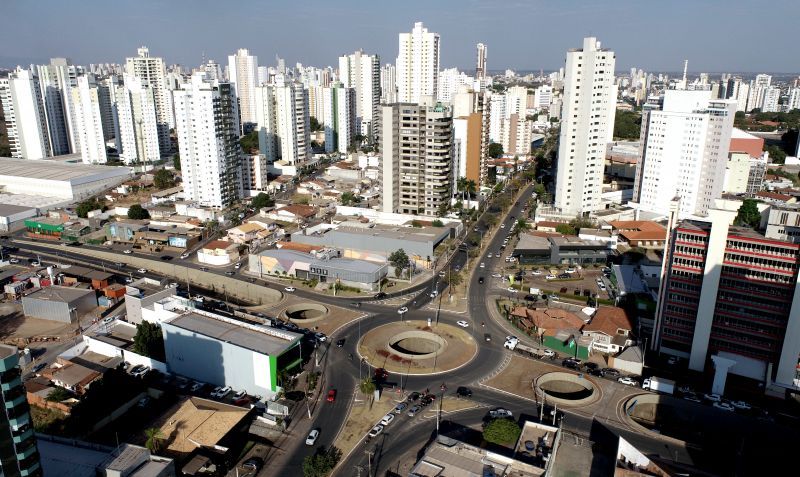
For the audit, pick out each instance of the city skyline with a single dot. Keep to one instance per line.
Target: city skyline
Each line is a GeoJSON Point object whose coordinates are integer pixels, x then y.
{"type": "Point", "coordinates": [533, 34]}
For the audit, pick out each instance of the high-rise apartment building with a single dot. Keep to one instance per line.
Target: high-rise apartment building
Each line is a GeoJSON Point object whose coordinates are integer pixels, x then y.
{"type": "Point", "coordinates": [207, 125]}
{"type": "Point", "coordinates": [517, 134]}
{"type": "Point", "coordinates": [470, 135]}
{"type": "Point", "coordinates": [25, 117]}
{"type": "Point", "coordinates": [730, 301]}
{"type": "Point", "coordinates": [543, 96]}
{"type": "Point", "coordinates": [282, 122]}
{"type": "Point", "coordinates": [388, 84]}
{"type": "Point", "coordinates": [480, 65]}
{"type": "Point", "coordinates": [243, 71]}
{"type": "Point", "coordinates": [19, 456]}
{"type": "Point", "coordinates": [340, 117]}
{"type": "Point", "coordinates": [758, 90]}
{"type": "Point", "coordinates": [794, 99]}
{"type": "Point", "coordinates": [772, 96]}
{"type": "Point", "coordinates": [450, 81]}
{"type": "Point", "coordinates": [362, 73]}
{"type": "Point", "coordinates": [138, 125]}
{"type": "Point", "coordinates": [417, 64]}
{"type": "Point", "coordinates": [587, 126]}
{"type": "Point", "coordinates": [151, 71]}
{"type": "Point", "coordinates": [89, 121]}
{"type": "Point", "coordinates": [55, 81]}
{"type": "Point", "coordinates": [685, 140]}
{"type": "Point", "coordinates": [417, 148]}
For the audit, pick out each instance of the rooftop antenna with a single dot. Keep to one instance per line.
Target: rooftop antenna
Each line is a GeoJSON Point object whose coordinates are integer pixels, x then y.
{"type": "Point", "coordinates": [685, 67]}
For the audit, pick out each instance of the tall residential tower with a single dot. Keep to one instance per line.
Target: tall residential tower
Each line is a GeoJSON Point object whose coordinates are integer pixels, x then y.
{"type": "Point", "coordinates": [417, 64]}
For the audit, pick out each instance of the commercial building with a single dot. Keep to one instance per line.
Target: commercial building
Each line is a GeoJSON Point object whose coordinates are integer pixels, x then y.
{"type": "Point", "coordinates": [587, 126]}
{"type": "Point", "coordinates": [208, 135]}
{"type": "Point", "coordinates": [560, 250]}
{"type": "Point", "coordinates": [362, 73]}
{"type": "Point", "coordinates": [12, 217]}
{"type": "Point", "coordinates": [324, 266]}
{"type": "Point", "coordinates": [730, 301]}
{"type": "Point", "coordinates": [73, 458]}
{"type": "Point", "coordinates": [137, 121]}
{"type": "Point", "coordinates": [141, 295]}
{"type": "Point", "coordinates": [19, 456]}
{"type": "Point", "coordinates": [243, 75]}
{"type": "Point", "coordinates": [88, 121]}
{"type": "Point", "coordinates": [417, 65]}
{"type": "Point", "coordinates": [417, 147]}
{"type": "Point", "coordinates": [685, 140]}
{"type": "Point", "coordinates": [226, 352]}
{"type": "Point", "coordinates": [151, 71]}
{"type": "Point", "coordinates": [218, 252]}
{"type": "Point", "coordinates": [57, 303]}
{"type": "Point", "coordinates": [58, 179]}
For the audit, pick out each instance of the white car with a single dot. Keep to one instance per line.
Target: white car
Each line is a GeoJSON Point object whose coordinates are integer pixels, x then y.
{"type": "Point", "coordinates": [489, 256]}
{"type": "Point", "coordinates": [570, 271]}
{"type": "Point", "coordinates": [502, 226]}
{"type": "Point", "coordinates": [724, 406]}
{"type": "Point", "coordinates": [511, 338]}
{"type": "Point", "coordinates": [513, 290]}
{"type": "Point", "coordinates": [483, 265]}
{"type": "Point", "coordinates": [497, 275]}
{"type": "Point", "coordinates": [13, 260]}
{"type": "Point", "coordinates": [511, 259]}
{"type": "Point", "coordinates": [184, 256]}
{"type": "Point", "coordinates": [289, 289]}
{"type": "Point", "coordinates": [548, 353]}
{"type": "Point", "coordinates": [375, 431]}
{"type": "Point", "coordinates": [713, 397]}
{"type": "Point", "coordinates": [35, 263]}
{"type": "Point", "coordinates": [550, 276]}
{"type": "Point", "coordinates": [627, 381]}
{"type": "Point", "coordinates": [109, 319]}
{"type": "Point", "coordinates": [127, 251]}
{"type": "Point", "coordinates": [402, 309]}
{"type": "Point", "coordinates": [387, 419]}
{"type": "Point", "coordinates": [536, 272]}
{"type": "Point", "coordinates": [142, 270]}
{"type": "Point", "coordinates": [500, 412]}
{"type": "Point", "coordinates": [462, 323]}
{"type": "Point", "coordinates": [221, 392]}
{"type": "Point", "coordinates": [434, 293]}
{"type": "Point", "coordinates": [239, 395]}
{"type": "Point", "coordinates": [238, 266]}
{"type": "Point", "coordinates": [312, 437]}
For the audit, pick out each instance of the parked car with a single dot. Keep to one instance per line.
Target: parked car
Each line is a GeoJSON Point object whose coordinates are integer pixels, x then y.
{"type": "Point", "coordinates": [713, 397]}
{"type": "Point", "coordinates": [13, 260]}
{"type": "Point", "coordinates": [627, 381]}
{"type": "Point", "coordinates": [571, 363]}
{"type": "Point", "coordinates": [550, 276]}
{"type": "Point", "coordinates": [387, 419]}
{"type": "Point", "coordinates": [741, 405]}
{"type": "Point", "coordinates": [139, 370]}
{"type": "Point", "coordinates": [414, 410]}
{"type": "Point", "coordinates": [500, 413]}
{"type": "Point", "coordinates": [464, 391]}
{"type": "Point", "coordinates": [548, 353]}
{"type": "Point", "coordinates": [143, 402]}
{"type": "Point", "coordinates": [400, 408]}
{"type": "Point", "coordinates": [142, 270]}
{"type": "Point", "coordinates": [221, 392]}
{"type": "Point", "coordinates": [253, 464]}
{"type": "Point", "coordinates": [610, 372]}
{"type": "Point", "coordinates": [229, 273]}
{"type": "Point", "coordinates": [331, 395]}
{"type": "Point", "coordinates": [127, 251]}
{"type": "Point", "coordinates": [725, 406]}
{"type": "Point", "coordinates": [536, 272]}
{"type": "Point", "coordinates": [563, 276]}
{"type": "Point", "coordinates": [184, 255]}
{"type": "Point", "coordinates": [380, 295]}
{"type": "Point", "coordinates": [196, 386]}
{"type": "Point", "coordinates": [239, 395]}
{"type": "Point", "coordinates": [413, 397]}
{"type": "Point", "coordinates": [375, 431]}
{"type": "Point", "coordinates": [312, 437]}
{"type": "Point", "coordinates": [320, 337]}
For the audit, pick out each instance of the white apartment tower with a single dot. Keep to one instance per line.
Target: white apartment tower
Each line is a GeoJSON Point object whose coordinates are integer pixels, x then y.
{"type": "Point", "coordinates": [207, 125]}
{"type": "Point", "coordinates": [138, 126]}
{"type": "Point", "coordinates": [772, 96]}
{"type": "Point", "coordinates": [417, 148]}
{"type": "Point", "coordinates": [684, 153]}
{"type": "Point", "coordinates": [417, 64]}
{"type": "Point", "coordinates": [587, 126]}
{"type": "Point", "coordinates": [89, 121]}
{"type": "Point", "coordinates": [153, 74]}
{"type": "Point", "coordinates": [55, 81]}
{"type": "Point", "coordinates": [388, 84]}
{"type": "Point", "coordinates": [243, 71]}
{"type": "Point", "coordinates": [340, 117]}
{"type": "Point", "coordinates": [362, 73]}
{"type": "Point", "coordinates": [282, 122]}
{"type": "Point", "coordinates": [480, 66]}
{"type": "Point", "coordinates": [25, 117]}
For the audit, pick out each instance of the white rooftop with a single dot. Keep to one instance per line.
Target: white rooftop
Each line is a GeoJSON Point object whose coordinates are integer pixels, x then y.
{"type": "Point", "coordinates": [55, 170]}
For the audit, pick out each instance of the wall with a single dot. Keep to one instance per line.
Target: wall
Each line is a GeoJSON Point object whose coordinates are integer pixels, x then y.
{"type": "Point", "coordinates": [211, 259]}
{"type": "Point", "coordinates": [106, 349]}
{"type": "Point", "coordinates": [134, 304]}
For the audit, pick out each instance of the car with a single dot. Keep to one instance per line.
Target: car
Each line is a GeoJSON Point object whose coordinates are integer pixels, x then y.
{"type": "Point", "coordinates": [38, 367]}
{"type": "Point", "coordinates": [462, 323]}
{"type": "Point", "coordinates": [725, 406]}
{"type": "Point", "coordinates": [13, 260]}
{"type": "Point", "coordinates": [483, 265]}
{"type": "Point", "coordinates": [487, 337]}
{"type": "Point", "coordinates": [142, 270]}
{"type": "Point", "coordinates": [128, 280]}
{"type": "Point", "coordinates": [464, 391]}
{"type": "Point", "coordinates": [35, 263]}
{"type": "Point", "coordinates": [331, 395]}
{"type": "Point", "coordinates": [512, 338]}
{"type": "Point", "coordinates": [601, 286]}
{"type": "Point", "coordinates": [380, 295]}
{"type": "Point", "coordinates": [605, 270]}
{"type": "Point", "coordinates": [400, 408]}
{"type": "Point", "coordinates": [536, 272]}
{"type": "Point", "coordinates": [548, 353]}
{"type": "Point", "coordinates": [511, 259]}
{"type": "Point", "coordinates": [184, 256]}
{"type": "Point", "coordinates": [434, 293]}
{"type": "Point", "coordinates": [109, 319]}
{"type": "Point", "coordinates": [550, 276]}
{"type": "Point", "coordinates": [238, 266]}
{"type": "Point", "coordinates": [221, 392]}
{"type": "Point", "coordinates": [480, 280]}
{"type": "Point", "coordinates": [375, 431]}
{"type": "Point", "coordinates": [387, 419]}
{"type": "Point", "coordinates": [563, 276]}
{"type": "Point", "coordinates": [340, 342]}
{"type": "Point", "coordinates": [497, 275]}
{"type": "Point", "coordinates": [442, 274]}
{"type": "Point", "coordinates": [741, 405]}
{"type": "Point", "coordinates": [570, 270]}
{"type": "Point", "coordinates": [312, 437]}
{"type": "Point", "coordinates": [513, 290]}
{"type": "Point", "coordinates": [127, 251]}
{"type": "Point", "coordinates": [692, 397]}
{"type": "Point", "coordinates": [413, 410]}
{"type": "Point", "coordinates": [320, 337]}
{"type": "Point", "coordinates": [502, 226]}
{"type": "Point", "coordinates": [500, 413]}
{"type": "Point", "coordinates": [713, 397]}
{"type": "Point", "coordinates": [229, 273]}
{"type": "Point", "coordinates": [402, 309]}
{"type": "Point", "coordinates": [196, 386]}
{"type": "Point", "coordinates": [143, 402]}
{"type": "Point", "coordinates": [646, 383]}
{"type": "Point", "coordinates": [289, 289]}
{"type": "Point", "coordinates": [627, 381]}
{"type": "Point", "coordinates": [252, 464]}
{"type": "Point", "coordinates": [239, 394]}
{"type": "Point", "coordinates": [413, 397]}
{"type": "Point", "coordinates": [489, 256]}
{"type": "Point", "coordinates": [570, 363]}
{"type": "Point", "coordinates": [203, 269]}
{"type": "Point", "coordinates": [166, 258]}
{"type": "Point", "coordinates": [610, 372]}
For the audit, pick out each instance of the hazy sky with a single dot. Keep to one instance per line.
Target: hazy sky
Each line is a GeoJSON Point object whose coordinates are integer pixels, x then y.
{"type": "Point", "coordinates": [714, 35]}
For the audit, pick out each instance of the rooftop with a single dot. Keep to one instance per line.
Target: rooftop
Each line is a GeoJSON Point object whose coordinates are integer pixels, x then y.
{"type": "Point", "coordinates": [10, 209]}
{"type": "Point", "coordinates": [66, 459]}
{"type": "Point", "coordinates": [339, 263]}
{"type": "Point", "coordinates": [219, 245]}
{"type": "Point", "coordinates": [268, 341]}
{"type": "Point", "coordinates": [6, 351]}
{"type": "Point", "coordinates": [53, 170]}
{"type": "Point", "coordinates": [197, 422]}
{"type": "Point", "coordinates": [608, 320]}
{"type": "Point", "coordinates": [549, 320]}
{"type": "Point", "coordinates": [737, 133]}
{"type": "Point", "coordinates": [60, 294]}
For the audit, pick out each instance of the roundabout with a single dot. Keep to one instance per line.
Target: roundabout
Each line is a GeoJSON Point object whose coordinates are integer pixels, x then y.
{"type": "Point", "coordinates": [565, 389]}
{"type": "Point", "coordinates": [301, 313]}
{"type": "Point", "coordinates": [414, 348]}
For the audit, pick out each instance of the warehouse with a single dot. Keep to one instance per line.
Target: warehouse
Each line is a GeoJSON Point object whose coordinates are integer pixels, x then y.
{"type": "Point", "coordinates": [12, 217]}
{"type": "Point", "coordinates": [58, 178]}
{"type": "Point", "coordinates": [62, 304]}
{"type": "Point", "coordinates": [225, 352]}
{"type": "Point", "coordinates": [321, 267]}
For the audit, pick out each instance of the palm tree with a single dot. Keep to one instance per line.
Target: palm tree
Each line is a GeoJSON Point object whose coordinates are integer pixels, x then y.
{"type": "Point", "coordinates": [471, 188]}
{"type": "Point", "coordinates": [154, 438]}
{"type": "Point", "coordinates": [461, 186]}
{"type": "Point", "coordinates": [522, 226]}
{"type": "Point", "coordinates": [367, 387]}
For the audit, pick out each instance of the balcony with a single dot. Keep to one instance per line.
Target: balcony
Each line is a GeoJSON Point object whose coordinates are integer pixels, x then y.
{"type": "Point", "coordinates": [27, 451]}
{"type": "Point", "coordinates": [34, 467]}
{"type": "Point", "coordinates": [23, 435]}
{"type": "Point", "coordinates": [10, 375]}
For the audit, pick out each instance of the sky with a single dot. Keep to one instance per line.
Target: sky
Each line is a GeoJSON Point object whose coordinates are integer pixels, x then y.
{"type": "Point", "coordinates": [714, 35]}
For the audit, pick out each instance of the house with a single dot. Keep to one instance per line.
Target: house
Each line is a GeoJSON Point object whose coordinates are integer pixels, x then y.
{"type": "Point", "coordinates": [547, 225]}
{"type": "Point", "coordinates": [610, 330]}
{"type": "Point", "coordinates": [73, 377]}
{"type": "Point", "coordinates": [555, 328]}
{"type": "Point", "coordinates": [346, 171]}
{"type": "Point", "coordinates": [218, 252]}
{"type": "Point", "coordinates": [640, 233]}
{"type": "Point", "coordinates": [245, 233]}
{"type": "Point", "coordinates": [294, 213]}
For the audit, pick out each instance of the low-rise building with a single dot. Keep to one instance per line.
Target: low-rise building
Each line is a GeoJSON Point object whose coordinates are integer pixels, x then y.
{"type": "Point", "coordinates": [73, 458]}
{"type": "Point", "coordinates": [295, 213]}
{"type": "Point", "coordinates": [142, 294]}
{"type": "Point", "coordinates": [320, 266]}
{"type": "Point", "coordinates": [640, 233]}
{"type": "Point", "coordinates": [555, 328]}
{"type": "Point", "coordinates": [610, 330]}
{"type": "Point", "coordinates": [783, 223]}
{"type": "Point", "coordinates": [218, 252]}
{"type": "Point", "coordinates": [57, 303]}
{"type": "Point", "coordinates": [560, 250]}
{"type": "Point", "coordinates": [246, 233]}
{"type": "Point", "coordinates": [12, 217]}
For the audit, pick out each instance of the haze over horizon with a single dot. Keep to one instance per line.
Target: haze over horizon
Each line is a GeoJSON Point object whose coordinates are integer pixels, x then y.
{"type": "Point", "coordinates": [521, 35]}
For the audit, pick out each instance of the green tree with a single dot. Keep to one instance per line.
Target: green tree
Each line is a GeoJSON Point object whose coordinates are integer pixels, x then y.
{"type": "Point", "coordinates": [154, 437]}
{"type": "Point", "coordinates": [522, 226]}
{"type": "Point", "coordinates": [262, 200]}
{"type": "Point", "coordinates": [454, 279]}
{"type": "Point", "coordinates": [748, 214]}
{"type": "Point", "coordinates": [437, 223]}
{"type": "Point", "coordinates": [163, 179]}
{"type": "Point", "coordinates": [58, 395]}
{"type": "Point", "coordinates": [87, 206]}
{"type": "Point", "coordinates": [776, 154]}
{"type": "Point", "coordinates": [501, 431]}
{"type": "Point", "coordinates": [249, 142]}
{"type": "Point", "coordinates": [443, 209]}
{"type": "Point", "coordinates": [627, 125]}
{"type": "Point", "coordinates": [416, 224]}
{"type": "Point", "coordinates": [495, 150]}
{"type": "Point", "coordinates": [471, 188]}
{"type": "Point", "coordinates": [301, 199]}
{"type": "Point", "coordinates": [348, 198]}
{"type": "Point", "coordinates": [566, 229]}
{"type": "Point", "coordinates": [322, 463]}
{"type": "Point", "coordinates": [149, 341]}
{"type": "Point", "coordinates": [137, 212]}
{"type": "Point", "coordinates": [314, 124]}
{"type": "Point", "coordinates": [176, 161]}
{"type": "Point", "coordinates": [400, 261]}
{"type": "Point", "coordinates": [366, 386]}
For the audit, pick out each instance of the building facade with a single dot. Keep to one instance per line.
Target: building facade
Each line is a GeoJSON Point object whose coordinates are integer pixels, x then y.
{"type": "Point", "coordinates": [25, 117]}
{"type": "Point", "coordinates": [340, 117]}
{"type": "Point", "coordinates": [243, 75]}
{"type": "Point", "coordinates": [362, 73]}
{"type": "Point", "coordinates": [480, 64]}
{"type": "Point", "coordinates": [137, 122]}
{"type": "Point", "coordinates": [89, 121]}
{"type": "Point", "coordinates": [19, 455]}
{"type": "Point", "coordinates": [151, 71]}
{"type": "Point", "coordinates": [587, 126]}
{"type": "Point", "coordinates": [283, 122]}
{"type": "Point", "coordinates": [417, 64]}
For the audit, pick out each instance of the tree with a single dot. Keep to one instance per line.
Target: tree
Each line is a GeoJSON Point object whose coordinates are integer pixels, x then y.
{"type": "Point", "coordinates": [748, 214]}
{"type": "Point", "coordinates": [437, 223]}
{"type": "Point", "coordinates": [154, 437]}
{"type": "Point", "coordinates": [262, 200]}
{"type": "Point", "coordinates": [58, 395]}
{"type": "Point", "coordinates": [453, 279]}
{"type": "Point", "coordinates": [348, 198]}
{"type": "Point", "coordinates": [522, 226]}
{"type": "Point", "coordinates": [249, 142]}
{"type": "Point", "coordinates": [163, 179]}
{"type": "Point", "coordinates": [471, 188]}
{"type": "Point", "coordinates": [400, 261]}
{"type": "Point", "coordinates": [137, 212]}
{"type": "Point", "coordinates": [322, 463]}
{"type": "Point", "coordinates": [495, 150]}
{"type": "Point", "coordinates": [314, 124]}
{"type": "Point", "coordinates": [176, 161]}
{"type": "Point", "coordinates": [366, 386]}
{"type": "Point", "coordinates": [87, 206]}
{"type": "Point", "coordinates": [443, 209]}
{"type": "Point", "coordinates": [566, 229]}
{"type": "Point", "coordinates": [501, 431]}
{"type": "Point", "coordinates": [776, 154]}
{"type": "Point", "coordinates": [627, 125]}
{"type": "Point", "coordinates": [149, 341]}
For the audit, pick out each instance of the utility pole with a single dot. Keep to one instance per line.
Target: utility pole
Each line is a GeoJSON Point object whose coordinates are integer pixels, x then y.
{"type": "Point", "coordinates": [369, 461]}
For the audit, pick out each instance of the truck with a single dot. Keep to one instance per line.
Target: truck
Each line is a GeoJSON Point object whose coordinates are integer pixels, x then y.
{"type": "Point", "coordinates": [515, 345]}
{"type": "Point", "coordinates": [660, 385]}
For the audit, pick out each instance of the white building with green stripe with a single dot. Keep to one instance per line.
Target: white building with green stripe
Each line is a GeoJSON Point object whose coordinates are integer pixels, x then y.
{"type": "Point", "coordinates": [227, 352]}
